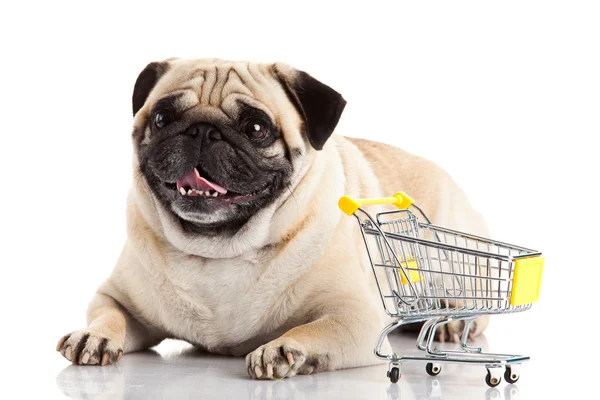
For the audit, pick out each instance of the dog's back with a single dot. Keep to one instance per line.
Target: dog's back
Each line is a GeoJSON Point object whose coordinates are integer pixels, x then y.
{"type": "Point", "coordinates": [432, 188]}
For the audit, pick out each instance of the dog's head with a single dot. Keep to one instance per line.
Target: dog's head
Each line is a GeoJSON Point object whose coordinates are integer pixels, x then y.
{"type": "Point", "coordinates": [216, 141]}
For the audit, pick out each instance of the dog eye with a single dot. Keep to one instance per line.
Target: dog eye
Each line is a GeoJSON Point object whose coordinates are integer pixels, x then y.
{"type": "Point", "coordinates": [161, 119]}
{"type": "Point", "coordinates": [256, 130]}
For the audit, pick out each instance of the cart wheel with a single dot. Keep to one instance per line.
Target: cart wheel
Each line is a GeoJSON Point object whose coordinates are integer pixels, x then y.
{"type": "Point", "coordinates": [510, 376]}
{"type": "Point", "coordinates": [394, 375]}
{"type": "Point", "coordinates": [488, 380]}
{"type": "Point", "coordinates": [433, 370]}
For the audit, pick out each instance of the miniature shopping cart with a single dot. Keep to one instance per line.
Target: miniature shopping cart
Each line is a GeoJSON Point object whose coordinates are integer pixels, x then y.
{"type": "Point", "coordinates": [427, 273]}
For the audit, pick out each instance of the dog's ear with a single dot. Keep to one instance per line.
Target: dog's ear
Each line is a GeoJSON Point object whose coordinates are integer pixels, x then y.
{"type": "Point", "coordinates": [319, 105]}
{"type": "Point", "coordinates": [145, 83]}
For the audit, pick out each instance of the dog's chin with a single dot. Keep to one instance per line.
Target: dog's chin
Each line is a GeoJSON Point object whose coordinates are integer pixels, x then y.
{"type": "Point", "coordinates": [202, 219]}
{"type": "Point", "coordinates": [217, 215]}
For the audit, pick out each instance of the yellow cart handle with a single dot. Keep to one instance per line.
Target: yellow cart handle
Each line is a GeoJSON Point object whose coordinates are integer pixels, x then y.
{"type": "Point", "coordinates": [349, 205]}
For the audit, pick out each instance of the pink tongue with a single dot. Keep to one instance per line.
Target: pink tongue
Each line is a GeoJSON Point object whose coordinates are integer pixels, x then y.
{"type": "Point", "coordinates": [193, 180]}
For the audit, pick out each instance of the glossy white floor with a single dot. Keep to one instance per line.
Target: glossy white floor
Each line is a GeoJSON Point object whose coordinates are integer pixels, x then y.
{"type": "Point", "coordinates": [179, 371]}
{"type": "Point", "coordinates": [176, 370]}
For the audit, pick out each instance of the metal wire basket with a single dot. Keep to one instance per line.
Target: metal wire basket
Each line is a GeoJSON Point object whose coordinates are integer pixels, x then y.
{"type": "Point", "coordinates": [426, 272]}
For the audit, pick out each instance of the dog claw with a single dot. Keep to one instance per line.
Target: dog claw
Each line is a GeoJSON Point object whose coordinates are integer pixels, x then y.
{"type": "Point", "coordinates": [61, 342]}
{"type": "Point", "coordinates": [86, 347]}
{"type": "Point", "coordinates": [278, 359]}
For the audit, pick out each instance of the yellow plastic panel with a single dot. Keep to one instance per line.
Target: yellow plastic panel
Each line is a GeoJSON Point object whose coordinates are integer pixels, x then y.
{"type": "Point", "coordinates": [413, 273]}
{"type": "Point", "coordinates": [527, 280]}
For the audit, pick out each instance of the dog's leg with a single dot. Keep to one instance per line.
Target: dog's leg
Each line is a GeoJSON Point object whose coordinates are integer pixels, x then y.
{"type": "Point", "coordinates": [111, 331]}
{"type": "Point", "coordinates": [342, 336]}
{"type": "Point", "coordinates": [453, 330]}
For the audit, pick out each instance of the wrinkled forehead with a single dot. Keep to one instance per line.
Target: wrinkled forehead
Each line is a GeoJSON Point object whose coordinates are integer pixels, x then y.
{"type": "Point", "coordinates": [221, 88]}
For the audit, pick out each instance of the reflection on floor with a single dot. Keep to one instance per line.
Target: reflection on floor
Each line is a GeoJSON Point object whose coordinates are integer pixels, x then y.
{"type": "Point", "coordinates": [177, 370]}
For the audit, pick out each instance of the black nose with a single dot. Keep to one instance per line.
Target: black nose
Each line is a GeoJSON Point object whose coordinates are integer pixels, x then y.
{"type": "Point", "coordinates": [204, 132]}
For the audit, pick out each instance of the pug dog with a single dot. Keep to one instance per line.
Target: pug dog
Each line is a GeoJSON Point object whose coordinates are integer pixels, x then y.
{"type": "Point", "coordinates": [235, 242]}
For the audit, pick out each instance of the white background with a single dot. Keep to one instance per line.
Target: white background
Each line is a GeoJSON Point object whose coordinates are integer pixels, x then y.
{"type": "Point", "coordinates": [504, 95]}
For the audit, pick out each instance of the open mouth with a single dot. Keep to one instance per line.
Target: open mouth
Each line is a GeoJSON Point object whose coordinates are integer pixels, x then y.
{"type": "Point", "coordinates": [195, 185]}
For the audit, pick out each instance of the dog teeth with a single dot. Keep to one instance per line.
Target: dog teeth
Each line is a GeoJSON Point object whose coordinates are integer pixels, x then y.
{"type": "Point", "coordinates": [197, 192]}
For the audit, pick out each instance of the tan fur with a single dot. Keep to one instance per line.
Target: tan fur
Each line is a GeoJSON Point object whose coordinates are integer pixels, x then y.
{"type": "Point", "coordinates": [295, 280]}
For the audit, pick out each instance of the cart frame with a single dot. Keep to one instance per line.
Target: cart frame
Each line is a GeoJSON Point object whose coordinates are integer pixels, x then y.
{"type": "Point", "coordinates": [437, 289]}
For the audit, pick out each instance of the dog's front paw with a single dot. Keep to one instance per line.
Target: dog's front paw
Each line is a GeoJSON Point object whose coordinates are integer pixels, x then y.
{"type": "Point", "coordinates": [87, 347]}
{"type": "Point", "coordinates": [453, 330]}
{"type": "Point", "coordinates": [281, 358]}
